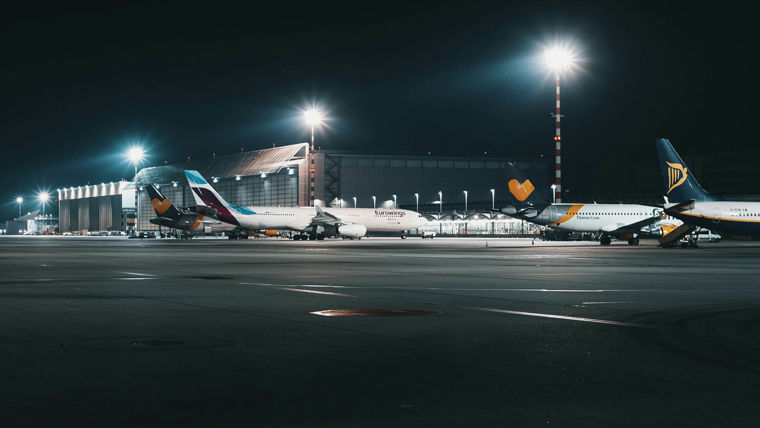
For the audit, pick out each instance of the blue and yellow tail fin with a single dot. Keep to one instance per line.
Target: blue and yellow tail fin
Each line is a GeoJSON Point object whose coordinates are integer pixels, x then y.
{"type": "Point", "coordinates": [680, 184]}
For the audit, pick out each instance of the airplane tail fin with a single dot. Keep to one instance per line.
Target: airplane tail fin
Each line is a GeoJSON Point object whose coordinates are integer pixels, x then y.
{"type": "Point", "coordinates": [680, 184]}
{"type": "Point", "coordinates": [204, 194]}
{"type": "Point", "coordinates": [164, 208]}
{"type": "Point", "coordinates": [520, 189]}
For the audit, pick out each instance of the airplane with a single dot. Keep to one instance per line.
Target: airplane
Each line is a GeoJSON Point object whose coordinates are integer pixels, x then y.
{"type": "Point", "coordinates": [623, 221]}
{"type": "Point", "coordinates": [686, 200]}
{"type": "Point", "coordinates": [170, 216]}
{"type": "Point", "coordinates": [310, 222]}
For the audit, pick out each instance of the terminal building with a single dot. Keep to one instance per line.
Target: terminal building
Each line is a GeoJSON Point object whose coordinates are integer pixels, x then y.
{"type": "Point", "coordinates": [456, 189]}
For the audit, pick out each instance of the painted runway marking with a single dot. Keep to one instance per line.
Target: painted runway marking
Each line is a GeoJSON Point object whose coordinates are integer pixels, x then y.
{"type": "Point", "coordinates": [313, 276]}
{"type": "Point", "coordinates": [373, 312]}
{"type": "Point", "coordinates": [131, 278]}
{"type": "Point", "coordinates": [604, 303]}
{"type": "Point", "coordinates": [325, 286]}
{"type": "Point", "coordinates": [301, 290]}
{"type": "Point", "coordinates": [560, 317]}
{"type": "Point", "coordinates": [264, 284]}
{"type": "Point", "coordinates": [137, 274]}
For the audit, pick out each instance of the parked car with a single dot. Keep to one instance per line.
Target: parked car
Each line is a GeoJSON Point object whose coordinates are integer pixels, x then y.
{"type": "Point", "coordinates": [707, 235]}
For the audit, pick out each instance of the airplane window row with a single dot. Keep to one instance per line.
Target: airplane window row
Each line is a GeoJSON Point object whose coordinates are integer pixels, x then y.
{"type": "Point", "coordinates": [612, 214]}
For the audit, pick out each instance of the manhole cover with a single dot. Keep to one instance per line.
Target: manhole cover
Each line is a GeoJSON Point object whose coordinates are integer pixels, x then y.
{"type": "Point", "coordinates": [374, 313]}
{"type": "Point", "coordinates": [148, 343]}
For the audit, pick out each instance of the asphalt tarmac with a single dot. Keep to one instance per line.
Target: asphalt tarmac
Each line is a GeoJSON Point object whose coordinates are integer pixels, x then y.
{"type": "Point", "coordinates": [377, 332]}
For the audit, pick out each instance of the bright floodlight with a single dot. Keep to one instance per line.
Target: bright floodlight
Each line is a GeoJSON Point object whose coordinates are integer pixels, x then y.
{"type": "Point", "coordinates": [313, 116]}
{"type": "Point", "coordinates": [44, 196]}
{"type": "Point", "coordinates": [19, 200]}
{"type": "Point", "coordinates": [135, 154]}
{"type": "Point", "coordinates": [559, 59]}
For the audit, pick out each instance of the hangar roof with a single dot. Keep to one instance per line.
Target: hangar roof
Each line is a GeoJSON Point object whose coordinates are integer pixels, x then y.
{"type": "Point", "coordinates": [255, 162]}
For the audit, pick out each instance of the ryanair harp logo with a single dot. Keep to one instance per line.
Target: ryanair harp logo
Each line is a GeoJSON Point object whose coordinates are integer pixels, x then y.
{"type": "Point", "coordinates": [676, 175]}
{"type": "Point", "coordinates": [521, 191]}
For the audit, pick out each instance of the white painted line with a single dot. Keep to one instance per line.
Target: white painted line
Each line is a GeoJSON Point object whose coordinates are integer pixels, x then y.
{"type": "Point", "coordinates": [301, 290]}
{"type": "Point", "coordinates": [137, 274]}
{"type": "Point", "coordinates": [560, 317]}
{"type": "Point", "coordinates": [313, 276]}
{"type": "Point", "coordinates": [133, 278]}
{"type": "Point", "coordinates": [604, 303]}
{"type": "Point", "coordinates": [324, 286]}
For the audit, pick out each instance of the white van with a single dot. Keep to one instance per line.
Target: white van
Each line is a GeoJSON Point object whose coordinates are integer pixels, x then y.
{"type": "Point", "coordinates": [706, 235]}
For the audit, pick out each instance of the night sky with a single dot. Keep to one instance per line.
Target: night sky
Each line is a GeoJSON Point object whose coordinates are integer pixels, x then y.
{"type": "Point", "coordinates": [80, 84]}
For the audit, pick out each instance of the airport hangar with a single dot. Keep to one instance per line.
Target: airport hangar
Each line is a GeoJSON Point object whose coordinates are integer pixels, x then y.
{"type": "Point", "coordinates": [279, 176]}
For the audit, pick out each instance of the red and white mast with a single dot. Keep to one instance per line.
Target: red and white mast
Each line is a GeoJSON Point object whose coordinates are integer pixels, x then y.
{"type": "Point", "coordinates": [558, 147]}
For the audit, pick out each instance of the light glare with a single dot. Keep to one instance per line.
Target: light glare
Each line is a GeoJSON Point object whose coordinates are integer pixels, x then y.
{"type": "Point", "coordinates": [313, 116]}
{"type": "Point", "coordinates": [559, 59]}
{"type": "Point", "coordinates": [135, 154]}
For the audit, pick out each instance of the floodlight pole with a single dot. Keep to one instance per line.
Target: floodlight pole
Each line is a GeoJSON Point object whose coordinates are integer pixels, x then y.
{"type": "Point", "coordinates": [311, 169]}
{"type": "Point", "coordinates": [557, 145]}
{"type": "Point", "coordinates": [137, 200]}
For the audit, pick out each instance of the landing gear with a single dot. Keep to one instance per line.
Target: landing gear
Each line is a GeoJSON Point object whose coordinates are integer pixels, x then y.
{"type": "Point", "coordinates": [605, 240]}
{"type": "Point", "coordinates": [633, 241]}
{"type": "Point", "coordinates": [403, 235]}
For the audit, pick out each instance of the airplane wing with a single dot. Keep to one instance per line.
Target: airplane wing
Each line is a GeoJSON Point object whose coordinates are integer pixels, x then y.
{"type": "Point", "coordinates": [324, 218]}
{"type": "Point", "coordinates": [632, 227]}
{"type": "Point", "coordinates": [679, 207]}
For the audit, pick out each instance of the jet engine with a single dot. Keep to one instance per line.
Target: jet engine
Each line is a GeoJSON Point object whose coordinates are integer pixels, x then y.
{"type": "Point", "coordinates": [352, 231]}
{"type": "Point", "coordinates": [510, 210]}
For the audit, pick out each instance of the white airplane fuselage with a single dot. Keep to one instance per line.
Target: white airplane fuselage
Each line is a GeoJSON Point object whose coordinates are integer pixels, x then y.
{"type": "Point", "coordinates": [300, 218]}
{"type": "Point", "coordinates": [593, 217]}
{"type": "Point", "coordinates": [722, 216]}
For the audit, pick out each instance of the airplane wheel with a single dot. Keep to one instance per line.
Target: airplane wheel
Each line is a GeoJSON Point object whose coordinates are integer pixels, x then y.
{"type": "Point", "coordinates": [605, 240]}
{"type": "Point", "coordinates": [635, 241]}
{"type": "Point", "coordinates": [630, 242]}
{"type": "Point", "coordinates": [403, 236]}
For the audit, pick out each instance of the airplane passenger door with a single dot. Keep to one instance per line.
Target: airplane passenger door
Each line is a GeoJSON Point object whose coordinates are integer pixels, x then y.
{"type": "Point", "coordinates": [716, 215]}
{"type": "Point", "coordinates": [553, 214]}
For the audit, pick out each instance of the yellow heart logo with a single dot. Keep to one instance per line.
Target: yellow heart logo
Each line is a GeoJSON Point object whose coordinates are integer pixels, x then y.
{"type": "Point", "coordinates": [521, 191]}
{"type": "Point", "coordinates": [161, 206]}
